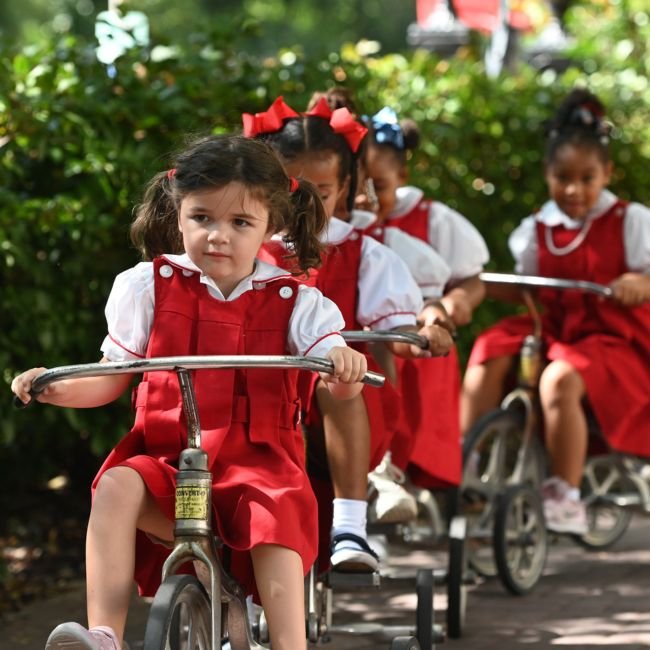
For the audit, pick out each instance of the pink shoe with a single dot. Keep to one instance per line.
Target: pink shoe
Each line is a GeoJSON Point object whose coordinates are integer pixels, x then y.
{"type": "Point", "coordinates": [563, 514]}
{"type": "Point", "coordinates": [72, 636]}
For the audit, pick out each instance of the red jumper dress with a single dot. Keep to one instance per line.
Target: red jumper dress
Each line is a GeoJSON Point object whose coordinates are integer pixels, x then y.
{"type": "Point", "coordinates": [249, 422]}
{"type": "Point", "coordinates": [430, 390]}
{"type": "Point", "coordinates": [607, 343]}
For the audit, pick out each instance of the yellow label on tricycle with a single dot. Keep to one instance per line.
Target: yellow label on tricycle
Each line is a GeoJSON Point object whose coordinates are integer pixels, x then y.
{"type": "Point", "coordinates": [192, 501]}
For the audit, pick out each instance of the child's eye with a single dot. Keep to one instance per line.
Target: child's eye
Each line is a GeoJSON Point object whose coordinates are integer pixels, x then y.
{"type": "Point", "coordinates": [241, 223]}
{"type": "Point", "coordinates": [199, 218]}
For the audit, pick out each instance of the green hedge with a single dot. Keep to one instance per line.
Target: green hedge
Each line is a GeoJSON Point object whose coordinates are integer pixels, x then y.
{"type": "Point", "coordinates": [77, 147]}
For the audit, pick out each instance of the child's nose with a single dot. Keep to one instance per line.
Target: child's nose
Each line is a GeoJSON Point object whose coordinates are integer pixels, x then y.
{"type": "Point", "coordinates": [218, 234]}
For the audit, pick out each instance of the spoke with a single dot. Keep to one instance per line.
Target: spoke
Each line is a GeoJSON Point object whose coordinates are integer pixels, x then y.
{"type": "Point", "coordinates": [496, 463]}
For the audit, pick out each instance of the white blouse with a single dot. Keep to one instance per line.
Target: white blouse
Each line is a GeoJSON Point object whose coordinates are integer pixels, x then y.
{"type": "Point", "coordinates": [636, 233]}
{"type": "Point", "coordinates": [388, 294]}
{"type": "Point", "coordinates": [313, 327]}
{"type": "Point", "coordinates": [451, 235]}
{"type": "Point", "coordinates": [428, 268]}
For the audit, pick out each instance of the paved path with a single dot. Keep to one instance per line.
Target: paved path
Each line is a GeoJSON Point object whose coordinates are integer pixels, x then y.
{"type": "Point", "coordinates": [585, 600]}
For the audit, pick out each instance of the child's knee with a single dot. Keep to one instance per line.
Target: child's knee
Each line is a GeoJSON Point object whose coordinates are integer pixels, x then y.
{"type": "Point", "coordinates": [560, 381]}
{"type": "Point", "coordinates": [118, 484]}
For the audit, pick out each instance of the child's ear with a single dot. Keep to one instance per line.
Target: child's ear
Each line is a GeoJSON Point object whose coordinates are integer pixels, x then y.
{"type": "Point", "coordinates": [609, 168]}
{"type": "Point", "coordinates": [344, 191]}
{"type": "Point", "coordinates": [267, 236]}
{"type": "Point", "coordinates": [403, 174]}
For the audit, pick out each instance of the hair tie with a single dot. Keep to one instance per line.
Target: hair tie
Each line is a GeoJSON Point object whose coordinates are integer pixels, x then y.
{"type": "Point", "coordinates": [293, 184]}
{"type": "Point", "coordinates": [268, 121]}
{"type": "Point", "coordinates": [171, 173]}
{"type": "Point", "coordinates": [341, 121]}
{"type": "Point", "coordinates": [386, 128]}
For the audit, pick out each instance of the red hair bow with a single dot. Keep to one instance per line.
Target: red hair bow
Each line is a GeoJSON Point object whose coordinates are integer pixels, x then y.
{"type": "Point", "coordinates": [269, 121]}
{"type": "Point", "coordinates": [342, 122]}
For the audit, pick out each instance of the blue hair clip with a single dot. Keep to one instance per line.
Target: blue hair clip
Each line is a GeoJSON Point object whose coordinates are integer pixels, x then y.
{"type": "Point", "coordinates": [386, 128]}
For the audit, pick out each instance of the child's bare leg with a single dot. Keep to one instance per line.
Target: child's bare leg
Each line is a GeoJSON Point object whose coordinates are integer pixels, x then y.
{"type": "Point", "coordinates": [120, 505]}
{"type": "Point", "coordinates": [280, 582]}
{"type": "Point", "coordinates": [347, 441]}
{"type": "Point", "coordinates": [482, 390]}
{"type": "Point", "coordinates": [561, 391]}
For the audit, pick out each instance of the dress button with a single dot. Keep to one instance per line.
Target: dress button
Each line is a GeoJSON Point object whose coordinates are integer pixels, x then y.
{"type": "Point", "coordinates": [354, 236]}
{"type": "Point", "coordinates": [286, 292]}
{"type": "Point", "coordinates": [377, 231]}
{"type": "Point", "coordinates": [188, 274]}
{"type": "Point", "coordinates": [166, 271]}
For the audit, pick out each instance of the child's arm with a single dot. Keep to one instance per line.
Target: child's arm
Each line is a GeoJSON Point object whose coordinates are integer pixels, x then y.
{"type": "Point", "coordinates": [349, 369]}
{"type": "Point", "coordinates": [85, 392]}
{"type": "Point", "coordinates": [460, 301]}
{"type": "Point", "coordinates": [438, 335]}
{"type": "Point", "coordinates": [631, 289]}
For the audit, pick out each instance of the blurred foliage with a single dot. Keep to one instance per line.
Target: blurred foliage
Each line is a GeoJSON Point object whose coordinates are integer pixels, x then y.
{"type": "Point", "coordinates": [318, 27]}
{"type": "Point", "coordinates": [78, 145]}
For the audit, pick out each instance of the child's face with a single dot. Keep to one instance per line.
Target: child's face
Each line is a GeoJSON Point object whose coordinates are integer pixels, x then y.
{"type": "Point", "coordinates": [223, 230]}
{"type": "Point", "coordinates": [387, 175]}
{"type": "Point", "coordinates": [575, 177]}
{"type": "Point", "coordinates": [323, 171]}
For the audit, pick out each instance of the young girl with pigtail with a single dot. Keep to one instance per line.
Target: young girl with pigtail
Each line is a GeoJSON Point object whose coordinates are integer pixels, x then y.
{"type": "Point", "coordinates": [430, 389]}
{"type": "Point", "coordinates": [390, 501]}
{"type": "Point", "coordinates": [373, 289]}
{"type": "Point", "coordinates": [597, 350]}
{"type": "Point", "coordinates": [202, 291]}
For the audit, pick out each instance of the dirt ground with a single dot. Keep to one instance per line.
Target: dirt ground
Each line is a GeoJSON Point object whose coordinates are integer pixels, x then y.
{"type": "Point", "coordinates": [584, 600]}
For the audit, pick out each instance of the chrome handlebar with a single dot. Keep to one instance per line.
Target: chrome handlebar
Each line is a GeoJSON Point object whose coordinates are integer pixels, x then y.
{"type": "Point", "coordinates": [535, 281]}
{"type": "Point", "coordinates": [316, 364]}
{"type": "Point", "coordinates": [392, 336]}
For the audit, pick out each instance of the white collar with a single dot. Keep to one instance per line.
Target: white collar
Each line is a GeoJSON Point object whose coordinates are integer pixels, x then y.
{"type": "Point", "coordinates": [407, 197]}
{"type": "Point", "coordinates": [338, 231]}
{"type": "Point", "coordinates": [262, 274]}
{"type": "Point", "coordinates": [362, 219]}
{"type": "Point", "coordinates": [551, 215]}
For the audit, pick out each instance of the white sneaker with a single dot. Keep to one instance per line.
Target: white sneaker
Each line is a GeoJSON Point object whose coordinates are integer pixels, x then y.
{"type": "Point", "coordinates": [563, 514]}
{"type": "Point", "coordinates": [390, 502]}
{"type": "Point", "coordinates": [72, 636]}
{"type": "Point", "coordinates": [352, 554]}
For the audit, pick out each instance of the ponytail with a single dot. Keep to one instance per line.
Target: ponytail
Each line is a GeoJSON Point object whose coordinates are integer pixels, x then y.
{"type": "Point", "coordinates": [154, 230]}
{"type": "Point", "coordinates": [580, 121]}
{"type": "Point", "coordinates": [306, 220]}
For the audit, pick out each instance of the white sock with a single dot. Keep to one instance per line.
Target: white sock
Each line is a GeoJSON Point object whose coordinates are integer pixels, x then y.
{"type": "Point", "coordinates": [349, 517]}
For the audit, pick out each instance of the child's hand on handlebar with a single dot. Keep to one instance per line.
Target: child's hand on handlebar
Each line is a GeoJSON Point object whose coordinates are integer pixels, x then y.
{"type": "Point", "coordinates": [440, 341]}
{"type": "Point", "coordinates": [435, 313]}
{"type": "Point", "coordinates": [22, 384]}
{"type": "Point", "coordinates": [631, 289]}
{"type": "Point", "coordinates": [349, 366]}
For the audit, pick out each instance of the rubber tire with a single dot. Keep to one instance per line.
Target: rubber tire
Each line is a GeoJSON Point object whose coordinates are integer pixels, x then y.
{"type": "Point", "coordinates": [507, 421]}
{"type": "Point", "coordinates": [508, 575]}
{"type": "Point", "coordinates": [456, 589]}
{"type": "Point", "coordinates": [594, 541]}
{"type": "Point", "coordinates": [424, 615]}
{"type": "Point", "coordinates": [405, 643]}
{"type": "Point", "coordinates": [177, 590]}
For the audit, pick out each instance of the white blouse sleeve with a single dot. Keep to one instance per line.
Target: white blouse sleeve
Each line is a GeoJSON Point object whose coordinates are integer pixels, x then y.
{"type": "Point", "coordinates": [388, 294]}
{"type": "Point", "coordinates": [427, 267]}
{"type": "Point", "coordinates": [315, 324]}
{"type": "Point", "coordinates": [458, 242]}
{"type": "Point", "coordinates": [523, 246]}
{"type": "Point", "coordinates": [129, 314]}
{"type": "Point", "coordinates": [636, 238]}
